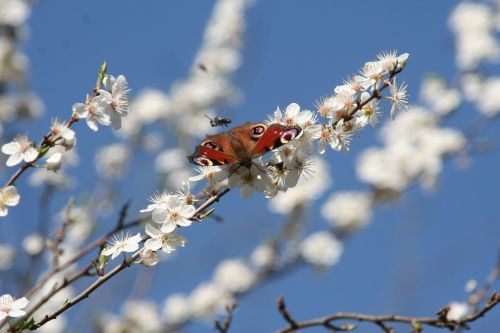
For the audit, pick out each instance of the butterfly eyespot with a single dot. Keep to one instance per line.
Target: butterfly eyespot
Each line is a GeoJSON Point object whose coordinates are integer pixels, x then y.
{"type": "Point", "coordinates": [200, 160]}
{"type": "Point", "coordinates": [257, 131]}
{"type": "Point", "coordinates": [211, 145]}
{"type": "Point", "coordinates": [289, 135]}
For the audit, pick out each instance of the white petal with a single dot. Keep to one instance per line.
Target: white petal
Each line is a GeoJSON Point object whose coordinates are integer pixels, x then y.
{"type": "Point", "coordinates": [160, 214]}
{"type": "Point", "coordinates": [153, 244]}
{"type": "Point", "coordinates": [3, 210]}
{"type": "Point", "coordinates": [14, 159]}
{"type": "Point", "coordinates": [130, 247]}
{"type": "Point", "coordinates": [30, 155]}
{"type": "Point", "coordinates": [188, 211]}
{"type": "Point", "coordinates": [91, 123]}
{"type": "Point", "coordinates": [80, 110]}
{"type": "Point", "coordinates": [168, 227]}
{"type": "Point", "coordinates": [184, 222]}
{"type": "Point", "coordinates": [16, 313]}
{"type": "Point", "coordinates": [20, 303]}
{"type": "Point", "coordinates": [152, 231]}
{"type": "Point", "coordinates": [11, 148]}
{"type": "Point", "coordinates": [3, 315]}
{"type": "Point", "coordinates": [292, 109]}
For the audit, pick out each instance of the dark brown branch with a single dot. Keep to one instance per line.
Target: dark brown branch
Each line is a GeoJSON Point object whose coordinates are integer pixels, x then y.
{"type": "Point", "coordinates": [224, 327]}
{"type": "Point", "coordinates": [439, 321]}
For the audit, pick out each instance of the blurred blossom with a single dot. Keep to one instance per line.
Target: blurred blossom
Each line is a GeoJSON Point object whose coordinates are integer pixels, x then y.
{"type": "Point", "coordinates": [170, 160]}
{"type": "Point", "coordinates": [29, 106]}
{"type": "Point", "coordinates": [458, 310]}
{"type": "Point", "coordinates": [234, 275]}
{"type": "Point", "coordinates": [208, 299]}
{"type": "Point", "coordinates": [14, 12]}
{"type": "Point", "coordinates": [9, 307]}
{"type": "Point", "coordinates": [7, 254]}
{"type": "Point", "coordinates": [152, 141]}
{"type": "Point", "coordinates": [45, 177]}
{"type": "Point", "coordinates": [473, 25]}
{"type": "Point", "coordinates": [141, 316]}
{"type": "Point", "coordinates": [441, 98]}
{"type": "Point", "coordinates": [264, 256]}
{"type": "Point", "coordinates": [33, 244]}
{"type": "Point", "coordinates": [348, 211]}
{"type": "Point", "coordinates": [471, 84]}
{"type": "Point", "coordinates": [15, 64]}
{"type": "Point", "coordinates": [415, 146]}
{"type": "Point", "coordinates": [111, 160]}
{"type": "Point", "coordinates": [309, 188]}
{"type": "Point", "coordinates": [321, 249]}
{"type": "Point", "coordinates": [470, 286]}
{"type": "Point", "coordinates": [110, 323]}
{"type": "Point", "coordinates": [8, 198]}
{"type": "Point", "coordinates": [177, 309]}
{"type": "Point", "coordinates": [488, 102]}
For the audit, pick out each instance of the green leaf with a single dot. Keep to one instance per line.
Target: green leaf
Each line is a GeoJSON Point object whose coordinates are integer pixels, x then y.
{"type": "Point", "coordinates": [102, 73]}
{"type": "Point", "coordinates": [26, 324]}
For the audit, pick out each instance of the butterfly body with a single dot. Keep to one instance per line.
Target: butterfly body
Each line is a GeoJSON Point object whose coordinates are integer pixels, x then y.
{"type": "Point", "coordinates": [240, 145]}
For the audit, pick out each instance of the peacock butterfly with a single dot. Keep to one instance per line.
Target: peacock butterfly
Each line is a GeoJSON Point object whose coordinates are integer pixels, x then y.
{"type": "Point", "coordinates": [240, 145]}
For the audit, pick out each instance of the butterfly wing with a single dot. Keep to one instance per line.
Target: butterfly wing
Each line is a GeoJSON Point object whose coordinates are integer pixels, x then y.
{"type": "Point", "coordinates": [243, 143]}
{"type": "Point", "coordinates": [275, 136]}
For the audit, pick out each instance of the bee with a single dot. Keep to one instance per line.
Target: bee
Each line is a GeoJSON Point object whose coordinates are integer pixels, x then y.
{"type": "Point", "coordinates": [216, 121]}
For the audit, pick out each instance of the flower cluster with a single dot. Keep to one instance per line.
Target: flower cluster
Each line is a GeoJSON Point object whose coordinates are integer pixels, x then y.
{"type": "Point", "coordinates": [414, 148]}
{"type": "Point", "coordinates": [353, 106]}
{"type": "Point", "coordinates": [108, 106]}
{"type": "Point", "coordinates": [474, 25]}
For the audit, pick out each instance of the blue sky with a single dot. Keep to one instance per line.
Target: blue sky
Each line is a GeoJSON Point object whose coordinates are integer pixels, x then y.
{"type": "Point", "coordinates": [415, 256]}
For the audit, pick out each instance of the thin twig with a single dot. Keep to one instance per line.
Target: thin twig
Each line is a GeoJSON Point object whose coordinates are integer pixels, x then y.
{"type": "Point", "coordinates": [381, 321]}
{"type": "Point", "coordinates": [224, 327]}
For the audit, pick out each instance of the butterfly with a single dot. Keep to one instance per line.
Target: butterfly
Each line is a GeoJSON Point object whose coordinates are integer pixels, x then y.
{"type": "Point", "coordinates": [240, 145]}
{"type": "Point", "coordinates": [216, 121]}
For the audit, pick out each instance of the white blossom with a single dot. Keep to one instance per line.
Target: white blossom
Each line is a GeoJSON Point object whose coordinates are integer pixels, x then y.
{"type": "Point", "coordinates": [208, 299]}
{"type": "Point", "coordinates": [12, 308]}
{"type": "Point", "coordinates": [8, 198]}
{"type": "Point", "coordinates": [264, 256]}
{"type": "Point", "coordinates": [170, 211]}
{"type": "Point", "coordinates": [177, 309]}
{"type": "Point", "coordinates": [321, 249]}
{"type": "Point", "coordinates": [234, 275]}
{"type": "Point", "coordinates": [116, 96]}
{"type": "Point", "coordinates": [33, 244]}
{"type": "Point", "coordinates": [122, 243]}
{"type": "Point", "coordinates": [66, 134]}
{"type": "Point", "coordinates": [20, 149]}
{"type": "Point", "coordinates": [111, 160]}
{"type": "Point", "coordinates": [348, 210]}
{"type": "Point", "coordinates": [458, 310]}
{"type": "Point", "coordinates": [141, 316]}
{"type": "Point", "coordinates": [95, 111]}
{"type": "Point", "coordinates": [54, 162]}
{"type": "Point", "coordinates": [149, 258]}
{"type": "Point", "coordinates": [165, 241]}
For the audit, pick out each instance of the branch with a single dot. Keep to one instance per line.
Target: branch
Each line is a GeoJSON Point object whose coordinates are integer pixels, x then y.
{"type": "Point", "coordinates": [84, 294]}
{"type": "Point", "coordinates": [224, 327]}
{"type": "Point", "coordinates": [439, 321]}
